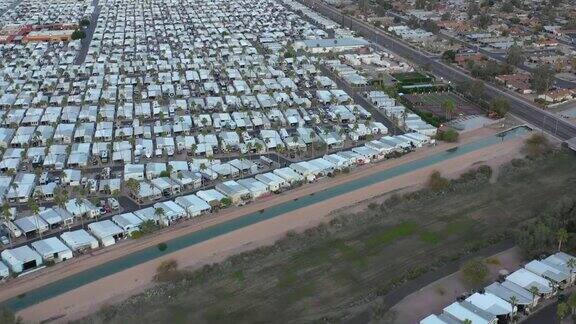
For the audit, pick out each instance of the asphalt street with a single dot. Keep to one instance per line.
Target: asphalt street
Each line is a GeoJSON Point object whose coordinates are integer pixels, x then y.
{"type": "Point", "coordinates": [520, 107]}
{"type": "Point", "coordinates": [89, 34]}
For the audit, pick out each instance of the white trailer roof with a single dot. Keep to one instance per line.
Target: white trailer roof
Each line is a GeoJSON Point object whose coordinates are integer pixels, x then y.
{"type": "Point", "coordinates": [522, 296]}
{"type": "Point", "coordinates": [288, 174]}
{"type": "Point", "coordinates": [491, 303]}
{"type": "Point", "coordinates": [464, 312]}
{"type": "Point", "coordinates": [210, 195]}
{"type": "Point", "coordinates": [127, 220]}
{"type": "Point", "coordinates": [232, 188]}
{"type": "Point", "coordinates": [192, 203]}
{"type": "Point", "coordinates": [270, 178]}
{"type": "Point", "coordinates": [547, 271]}
{"type": "Point", "coordinates": [4, 272]}
{"type": "Point", "coordinates": [78, 239]}
{"type": "Point", "coordinates": [527, 279]}
{"type": "Point", "coordinates": [105, 228]}
{"type": "Point", "coordinates": [20, 254]}
{"type": "Point", "coordinates": [256, 187]}
{"type": "Point", "coordinates": [49, 246]}
{"type": "Point", "coordinates": [439, 319]}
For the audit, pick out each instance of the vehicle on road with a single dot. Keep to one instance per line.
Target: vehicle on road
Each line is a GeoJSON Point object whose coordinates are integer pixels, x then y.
{"type": "Point", "coordinates": [113, 203]}
{"type": "Point", "coordinates": [4, 240]}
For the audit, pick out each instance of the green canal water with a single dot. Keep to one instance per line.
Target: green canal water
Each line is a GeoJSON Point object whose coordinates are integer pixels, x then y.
{"type": "Point", "coordinates": [62, 286]}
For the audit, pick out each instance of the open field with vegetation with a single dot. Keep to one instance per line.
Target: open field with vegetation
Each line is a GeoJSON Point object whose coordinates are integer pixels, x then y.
{"type": "Point", "coordinates": [435, 103]}
{"type": "Point", "coordinates": [345, 268]}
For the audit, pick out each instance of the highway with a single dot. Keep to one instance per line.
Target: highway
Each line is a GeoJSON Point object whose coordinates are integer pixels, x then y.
{"type": "Point", "coordinates": [519, 106]}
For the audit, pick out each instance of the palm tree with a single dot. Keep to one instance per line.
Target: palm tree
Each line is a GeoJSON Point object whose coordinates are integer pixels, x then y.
{"type": "Point", "coordinates": [513, 301]}
{"type": "Point", "coordinates": [203, 167]}
{"type": "Point", "coordinates": [571, 264]}
{"type": "Point", "coordinates": [258, 147]}
{"type": "Point", "coordinates": [562, 236]}
{"type": "Point", "coordinates": [36, 212]}
{"type": "Point", "coordinates": [133, 185]}
{"type": "Point", "coordinates": [279, 151]}
{"type": "Point", "coordinates": [79, 203]}
{"type": "Point", "coordinates": [535, 293]}
{"type": "Point", "coordinates": [449, 107]}
{"type": "Point", "coordinates": [160, 213]}
{"type": "Point", "coordinates": [572, 303]}
{"type": "Point", "coordinates": [7, 214]}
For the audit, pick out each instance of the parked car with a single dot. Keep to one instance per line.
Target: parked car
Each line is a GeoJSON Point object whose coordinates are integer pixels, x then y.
{"type": "Point", "coordinates": [113, 203]}
{"type": "Point", "coordinates": [4, 240]}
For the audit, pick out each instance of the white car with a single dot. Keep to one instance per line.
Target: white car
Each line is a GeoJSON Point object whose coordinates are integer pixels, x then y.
{"type": "Point", "coordinates": [113, 203]}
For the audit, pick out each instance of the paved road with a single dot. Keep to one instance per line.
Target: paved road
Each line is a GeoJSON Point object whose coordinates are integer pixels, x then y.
{"type": "Point", "coordinates": [545, 315]}
{"type": "Point", "coordinates": [520, 107]}
{"type": "Point", "coordinates": [89, 34]}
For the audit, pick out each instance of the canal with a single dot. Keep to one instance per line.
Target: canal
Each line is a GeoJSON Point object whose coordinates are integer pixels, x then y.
{"type": "Point", "coordinates": [74, 281]}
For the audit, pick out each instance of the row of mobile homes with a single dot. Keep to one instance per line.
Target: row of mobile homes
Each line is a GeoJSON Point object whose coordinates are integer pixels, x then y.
{"type": "Point", "coordinates": [518, 292]}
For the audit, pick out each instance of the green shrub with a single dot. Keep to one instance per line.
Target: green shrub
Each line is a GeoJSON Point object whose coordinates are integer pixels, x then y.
{"type": "Point", "coordinates": [474, 272]}
{"type": "Point", "coordinates": [162, 246]}
{"type": "Point", "coordinates": [447, 135]}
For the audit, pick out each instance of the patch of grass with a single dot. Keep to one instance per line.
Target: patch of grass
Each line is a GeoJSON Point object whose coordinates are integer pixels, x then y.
{"type": "Point", "coordinates": [238, 275]}
{"type": "Point", "coordinates": [458, 227]}
{"type": "Point", "coordinates": [314, 255]}
{"type": "Point", "coordinates": [287, 280]}
{"type": "Point", "coordinates": [429, 237]}
{"type": "Point", "coordinates": [301, 292]}
{"type": "Point", "coordinates": [215, 314]}
{"type": "Point", "coordinates": [493, 261]}
{"type": "Point", "coordinates": [390, 235]}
